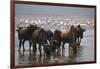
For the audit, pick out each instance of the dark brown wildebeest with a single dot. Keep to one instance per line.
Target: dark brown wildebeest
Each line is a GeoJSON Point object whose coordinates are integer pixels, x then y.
{"type": "Point", "coordinates": [56, 40]}
{"type": "Point", "coordinates": [25, 34]}
{"type": "Point", "coordinates": [79, 34]}
{"type": "Point", "coordinates": [48, 46]}
{"type": "Point", "coordinates": [41, 37]}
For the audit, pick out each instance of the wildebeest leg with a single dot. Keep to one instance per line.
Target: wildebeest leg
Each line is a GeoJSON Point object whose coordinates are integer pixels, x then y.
{"type": "Point", "coordinates": [20, 41]}
{"type": "Point", "coordinates": [34, 47]}
{"type": "Point", "coordinates": [63, 50]}
{"type": "Point", "coordinates": [58, 47]}
{"type": "Point", "coordinates": [44, 51]}
{"type": "Point", "coordinates": [75, 49]}
{"type": "Point", "coordinates": [71, 50]}
{"type": "Point", "coordinates": [79, 40]}
{"type": "Point", "coordinates": [63, 45]}
{"type": "Point", "coordinates": [40, 49]}
{"type": "Point", "coordinates": [30, 45]}
{"type": "Point", "coordinates": [23, 45]}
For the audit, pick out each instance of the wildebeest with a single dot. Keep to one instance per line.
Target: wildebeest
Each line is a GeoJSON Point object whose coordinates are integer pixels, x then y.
{"type": "Point", "coordinates": [25, 34]}
{"type": "Point", "coordinates": [79, 33]}
{"type": "Point", "coordinates": [41, 37]}
{"type": "Point", "coordinates": [72, 36]}
{"type": "Point", "coordinates": [68, 37]}
{"type": "Point", "coordinates": [56, 40]}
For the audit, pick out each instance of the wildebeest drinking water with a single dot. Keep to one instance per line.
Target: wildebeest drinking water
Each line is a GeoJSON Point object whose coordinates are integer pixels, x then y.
{"type": "Point", "coordinates": [56, 40]}
{"type": "Point", "coordinates": [47, 50]}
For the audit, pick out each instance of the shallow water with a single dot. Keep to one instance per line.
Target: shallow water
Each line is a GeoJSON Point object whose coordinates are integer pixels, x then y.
{"type": "Point", "coordinates": [85, 52]}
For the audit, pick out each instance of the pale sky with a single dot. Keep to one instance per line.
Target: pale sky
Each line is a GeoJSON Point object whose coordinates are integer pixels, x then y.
{"type": "Point", "coordinates": [52, 10]}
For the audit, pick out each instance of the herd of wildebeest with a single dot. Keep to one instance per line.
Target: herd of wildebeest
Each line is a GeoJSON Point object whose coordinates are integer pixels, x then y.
{"type": "Point", "coordinates": [48, 40]}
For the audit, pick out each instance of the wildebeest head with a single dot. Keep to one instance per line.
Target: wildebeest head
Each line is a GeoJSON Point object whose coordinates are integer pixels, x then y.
{"type": "Point", "coordinates": [72, 29]}
{"type": "Point", "coordinates": [57, 35]}
{"type": "Point", "coordinates": [47, 50]}
{"type": "Point", "coordinates": [56, 40]}
{"type": "Point", "coordinates": [54, 45]}
{"type": "Point", "coordinates": [80, 31]}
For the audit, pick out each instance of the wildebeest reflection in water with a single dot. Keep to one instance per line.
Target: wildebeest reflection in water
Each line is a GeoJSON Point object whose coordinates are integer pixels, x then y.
{"type": "Point", "coordinates": [62, 56]}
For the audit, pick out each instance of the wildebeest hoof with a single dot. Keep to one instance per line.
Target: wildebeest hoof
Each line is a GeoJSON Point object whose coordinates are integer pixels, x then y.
{"type": "Point", "coordinates": [40, 54]}
{"type": "Point", "coordinates": [78, 46]}
{"type": "Point", "coordinates": [19, 50]}
{"type": "Point", "coordinates": [29, 49]}
{"type": "Point", "coordinates": [23, 49]}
